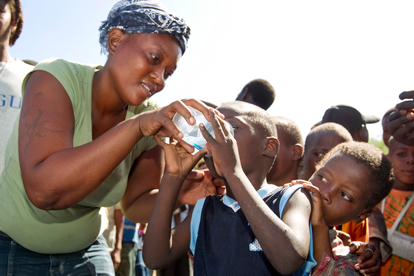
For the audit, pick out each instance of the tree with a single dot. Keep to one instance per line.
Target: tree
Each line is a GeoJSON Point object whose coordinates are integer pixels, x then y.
{"type": "Point", "coordinates": [379, 143]}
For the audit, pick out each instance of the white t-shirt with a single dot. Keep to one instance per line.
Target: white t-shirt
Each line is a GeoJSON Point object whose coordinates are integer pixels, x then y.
{"type": "Point", "coordinates": [11, 79]}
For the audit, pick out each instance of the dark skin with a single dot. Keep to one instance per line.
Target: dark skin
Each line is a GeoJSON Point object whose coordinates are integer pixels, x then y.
{"type": "Point", "coordinates": [402, 158]}
{"type": "Point", "coordinates": [289, 232]}
{"type": "Point", "coordinates": [315, 149]}
{"type": "Point", "coordinates": [333, 192]}
{"type": "Point", "coordinates": [401, 122]}
{"type": "Point", "coordinates": [287, 161]}
{"type": "Point", "coordinates": [57, 175]}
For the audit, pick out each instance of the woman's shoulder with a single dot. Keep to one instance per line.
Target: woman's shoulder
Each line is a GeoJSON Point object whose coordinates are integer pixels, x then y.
{"type": "Point", "coordinates": [59, 64]}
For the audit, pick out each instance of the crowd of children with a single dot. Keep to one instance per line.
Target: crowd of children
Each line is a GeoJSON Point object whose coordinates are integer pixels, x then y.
{"type": "Point", "coordinates": [262, 202]}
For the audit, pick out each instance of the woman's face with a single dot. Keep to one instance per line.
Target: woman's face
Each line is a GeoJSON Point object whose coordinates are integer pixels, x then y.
{"type": "Point", "coordinates": [142, 63]}
{"type": "Point", "coordinates": [5, 19]}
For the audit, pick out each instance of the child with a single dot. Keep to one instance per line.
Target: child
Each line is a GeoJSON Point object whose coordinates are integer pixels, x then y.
{"type": "Point", "coordinates": [285, 168]}
{"type": "Point", "coordinates": [340, 197]}
{"type": "Point", "coordinates": [401, 261]}
{"type": "Point", "coordinates": [319, 141]}
{"type": "Point", "coordinates": [258, 92]}
{"type": "Point", "coordinates": [250, 236]}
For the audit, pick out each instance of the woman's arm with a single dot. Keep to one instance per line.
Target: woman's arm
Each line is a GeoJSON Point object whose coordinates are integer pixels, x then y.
{"type": "Point", "coordinates": [57, 175]}
{"type": "Point", "coordinates": [143, 184]}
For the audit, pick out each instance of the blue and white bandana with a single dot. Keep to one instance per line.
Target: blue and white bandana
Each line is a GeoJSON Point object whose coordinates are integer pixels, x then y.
{"type": "Point", "coordinates": [143, 16]}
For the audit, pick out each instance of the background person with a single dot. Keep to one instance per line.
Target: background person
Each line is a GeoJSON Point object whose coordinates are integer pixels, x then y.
{"type": "Point", "coordinates": [351, 119]}
{"type": "Point", "coordinates": [258, 92]}
{"type": "Point", "coordinates": [12, 71]}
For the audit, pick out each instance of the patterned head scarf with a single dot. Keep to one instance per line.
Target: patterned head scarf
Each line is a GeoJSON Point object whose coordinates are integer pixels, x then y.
{"type": "Point", "coordinates": [143, 16]}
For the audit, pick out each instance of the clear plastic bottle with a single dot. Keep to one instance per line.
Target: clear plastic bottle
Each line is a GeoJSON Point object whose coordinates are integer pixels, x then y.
{"type": "Point", "coordinates": [192, 133]}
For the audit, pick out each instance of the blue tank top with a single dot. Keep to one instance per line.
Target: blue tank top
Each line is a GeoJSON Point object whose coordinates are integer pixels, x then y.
{"type": "Point", "coordinates": [226, 245]}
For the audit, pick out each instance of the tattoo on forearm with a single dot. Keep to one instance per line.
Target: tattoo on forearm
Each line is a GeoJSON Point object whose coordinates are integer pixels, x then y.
{"type": "Point", "coordinates": [38, 129]}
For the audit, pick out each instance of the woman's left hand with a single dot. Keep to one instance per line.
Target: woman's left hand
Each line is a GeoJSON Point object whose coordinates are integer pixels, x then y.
{"type": "Point", "coordinates": [159, 122]}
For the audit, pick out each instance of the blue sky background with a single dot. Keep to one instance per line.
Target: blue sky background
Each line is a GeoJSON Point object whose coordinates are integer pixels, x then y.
{"type": "Point", "coordinates": [315, 53]}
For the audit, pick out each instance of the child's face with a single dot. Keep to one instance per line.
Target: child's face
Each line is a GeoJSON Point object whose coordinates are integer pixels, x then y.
{"type": "Point", "coordinates": [344, 185]}
{"type": "Point", "coordinates": [402, 159]}
{"type": "Point", "coordinates": [249, 139]}
{"type": "Point", "coordinates": [316, 149]}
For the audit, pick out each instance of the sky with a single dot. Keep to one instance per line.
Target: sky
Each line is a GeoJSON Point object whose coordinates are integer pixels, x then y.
{"type": "Point", "coordinates": [316, 54]}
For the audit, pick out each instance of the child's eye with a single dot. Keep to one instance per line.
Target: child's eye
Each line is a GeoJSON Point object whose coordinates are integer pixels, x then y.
{"type": "Point", "coordinates": [155, 58]}
{"type": "Point", "coordinates": [235, 128]}
{"type": "Point", "coordinates": [345, 196]}
{"type": "Point", "coordinates": [401, 154]}
{"type": "Point", "coordinates": [168, 74]}
{"type": "Point", "coordinates": [319, 154]}
{"type": "Point", "coordinates": [322, 178]}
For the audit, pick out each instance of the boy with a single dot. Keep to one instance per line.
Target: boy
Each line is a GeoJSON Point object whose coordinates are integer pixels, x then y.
{"type": "Point", "coordinates": [258, 92]}
{"type": "Point", "coordinates": [319, 141]}
{"type": "Point", "coordinates": [402, 159]}
{"type": "Point", "coordinates": [340, 197]}
{"type": "Point", "coordinates": [285, 168]}
{"type": "Point", "coordinates": [351, 119]}
{"type": "Point", "coordinates": [229, 237]}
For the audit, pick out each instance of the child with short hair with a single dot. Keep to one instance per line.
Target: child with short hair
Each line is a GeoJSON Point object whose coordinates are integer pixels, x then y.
{"type": "Point", "coordinates": [398, 211]}
{"type": "Point", "coordinates": [256, 228]}
{"type": "Point", "coordinates": [349, 181]}
{"type": "Point", "coordinates": [285, 168]}
{"type": "Point", "coordinates": [320, 140]}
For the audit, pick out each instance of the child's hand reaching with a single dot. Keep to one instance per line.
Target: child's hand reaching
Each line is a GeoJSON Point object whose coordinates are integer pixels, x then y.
{"type": "Point", "coordinates": [369, 261]}
{"type": "Point", "coordinates": [317, 218]}
{"type": "Point", "coordinates": [223, 148]}
{"type": "Point", "coordinates": [178, 161]}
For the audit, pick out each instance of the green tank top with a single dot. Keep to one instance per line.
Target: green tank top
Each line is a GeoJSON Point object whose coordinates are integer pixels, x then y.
{"type": "Point", "coordinates": [75, 228]}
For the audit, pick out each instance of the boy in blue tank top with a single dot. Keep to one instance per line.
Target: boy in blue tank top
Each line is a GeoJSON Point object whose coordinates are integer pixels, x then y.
{"type": "Point", "coordinates": [256, 228]}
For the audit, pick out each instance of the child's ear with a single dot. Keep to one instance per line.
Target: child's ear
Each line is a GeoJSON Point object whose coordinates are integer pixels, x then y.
{"type": "Point", "coordinates": [365, 214]}
{"type": "Point", "coordinates": [297, 152]}
{"type": "Point", "coordinates": [243, 94]}
{"type": "Point", "coordinates": [272, 147]}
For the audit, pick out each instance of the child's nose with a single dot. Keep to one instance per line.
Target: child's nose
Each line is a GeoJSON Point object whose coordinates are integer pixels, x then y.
{"type": "Point", "coordinates": [325, 194]}
{"type": "Point", "coordinates": [410, 159]}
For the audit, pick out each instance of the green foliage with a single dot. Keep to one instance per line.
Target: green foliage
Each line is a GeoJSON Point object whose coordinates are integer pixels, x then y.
{"type": "Point", "coordinates": [379, 144]}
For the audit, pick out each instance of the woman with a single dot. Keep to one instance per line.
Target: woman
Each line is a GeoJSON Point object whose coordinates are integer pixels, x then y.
{"type": "Point", "coordinates": [84, 140]}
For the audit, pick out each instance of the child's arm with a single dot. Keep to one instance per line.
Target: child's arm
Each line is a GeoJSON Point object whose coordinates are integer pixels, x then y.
{"type": "Point", "coordinates": [284, 242]}
{"type": "Point", "coordinates": [161, 248]}
{"type": "Point", "coordinates": [321, 241]}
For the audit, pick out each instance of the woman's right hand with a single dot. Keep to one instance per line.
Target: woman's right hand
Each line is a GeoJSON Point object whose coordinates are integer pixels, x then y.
{"type": "Point", "coordinates": [159, 122]}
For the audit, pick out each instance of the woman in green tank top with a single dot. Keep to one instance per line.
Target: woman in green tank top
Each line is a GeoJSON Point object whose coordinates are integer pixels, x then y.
{"type": "Point", "coordinates": [84, 140]}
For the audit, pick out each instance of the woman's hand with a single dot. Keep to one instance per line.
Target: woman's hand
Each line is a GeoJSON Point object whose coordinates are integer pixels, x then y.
{"type": "Point", "coordinates": [159, 122]}
{"type": "Point", "coordinates": [223, 148]}
{"type": "Point", "coordinates": [401, 122]}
